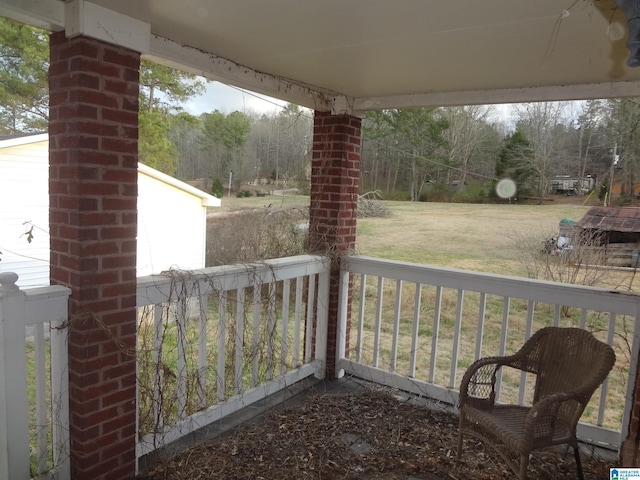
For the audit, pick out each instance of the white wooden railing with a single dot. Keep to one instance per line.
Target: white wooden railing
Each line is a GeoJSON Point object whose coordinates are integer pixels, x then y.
{"type": "Point", "coordinates": [216, 340]}
{"type": "Point", "coordinates": [213, 341]}
{"type": "Point", "coordinates": [33, 334]}
{"type": "Point", "coordinates": [417, 328]}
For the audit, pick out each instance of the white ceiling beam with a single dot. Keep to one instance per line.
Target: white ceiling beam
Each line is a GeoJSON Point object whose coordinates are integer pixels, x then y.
{"type": "Point", "coordinates": [91, 20]}
{"type": "Point", "coordinates": [212, 67]}
{"type": "Point", "coordinates": [45, 14]}
{"type": "Point", "coordinates": [505, 95]}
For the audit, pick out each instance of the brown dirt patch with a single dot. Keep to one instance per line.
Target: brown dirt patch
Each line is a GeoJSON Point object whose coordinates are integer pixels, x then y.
{"type": "Point", "coordinates": [357, 436]}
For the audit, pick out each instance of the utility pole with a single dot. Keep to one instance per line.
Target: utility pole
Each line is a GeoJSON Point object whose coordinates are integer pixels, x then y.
{"type": "Point", "coordinates": [614, 162]}
{"type": "Point", "coordinates": [230, 173]}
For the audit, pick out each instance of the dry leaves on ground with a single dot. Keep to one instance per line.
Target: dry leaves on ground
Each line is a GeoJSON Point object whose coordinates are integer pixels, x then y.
{"type": "Point", "coordinates": [356, 436]}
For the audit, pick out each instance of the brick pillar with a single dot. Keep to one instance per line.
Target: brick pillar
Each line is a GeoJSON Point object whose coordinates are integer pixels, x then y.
{"type": "Point", "coordinates": [630, 448]}
{"type": "Point", "coordinates": [93, 148]}
{"type": "Point", "coordinates": [335, 174]}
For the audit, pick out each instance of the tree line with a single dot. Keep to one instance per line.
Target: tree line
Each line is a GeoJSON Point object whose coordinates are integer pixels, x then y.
{"type": "Point", "coordinates": [415, 154]}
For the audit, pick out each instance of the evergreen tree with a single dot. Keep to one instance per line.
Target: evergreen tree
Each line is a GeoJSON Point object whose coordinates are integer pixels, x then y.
{"type": "Point", "coordinates": [514, 162]}
{"type": "Point", "coordinates": [162, 89]}
{"type": "Point", "coordinates": [24, 66]}
{"type": "Point", "coordinates": [217, 189]}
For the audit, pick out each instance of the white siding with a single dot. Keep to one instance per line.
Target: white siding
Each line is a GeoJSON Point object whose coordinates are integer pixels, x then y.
{"type": "Point", "coordinates": [171, 215]}
{"type": "Point", "coordinates": [24, 197]}
{"type": "Point", "coordinates": [171, 227]}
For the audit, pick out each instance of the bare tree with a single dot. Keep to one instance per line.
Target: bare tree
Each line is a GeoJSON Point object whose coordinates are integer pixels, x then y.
{"type": "Point", "coordinates": [538, 121]}
{"type": "Point", "coordinates": [467, 133]}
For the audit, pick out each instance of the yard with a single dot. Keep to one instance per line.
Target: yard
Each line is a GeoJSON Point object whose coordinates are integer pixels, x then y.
{"type": "Point", "coordinates": [375, 433]}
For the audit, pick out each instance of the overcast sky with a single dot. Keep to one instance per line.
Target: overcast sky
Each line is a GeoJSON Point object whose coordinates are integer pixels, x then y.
{"type": "Point", "coordinates": [227, 99]}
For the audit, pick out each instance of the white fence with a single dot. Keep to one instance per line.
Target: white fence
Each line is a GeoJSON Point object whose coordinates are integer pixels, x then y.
{"type": "Point", "coordinates": [417, 328]}
{"type": "Point", "coordinates": [216, 340]}
{"type": "Point", "coordinates": [35, 416]}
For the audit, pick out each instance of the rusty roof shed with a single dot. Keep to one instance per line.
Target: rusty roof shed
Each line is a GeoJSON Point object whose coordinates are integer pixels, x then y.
{"type": "Point", "coordinates": [612, 219]}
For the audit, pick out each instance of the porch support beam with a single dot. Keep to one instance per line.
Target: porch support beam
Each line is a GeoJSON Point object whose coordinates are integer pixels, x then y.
{"type": "Point", "coordinates": [43, 14]}
{"type": "Point", "coordinates": [93, 156]}
{"type": "Point", "coordinates": [335, 174]}
{"type": "Point", "coordinates": [504, 95]}
{"type": "Point", "coordinates": [213, 67]}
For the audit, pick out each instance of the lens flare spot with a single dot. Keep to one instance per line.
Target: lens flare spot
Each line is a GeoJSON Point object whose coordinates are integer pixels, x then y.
{"type": "Point", "coordinates": [506, 188]}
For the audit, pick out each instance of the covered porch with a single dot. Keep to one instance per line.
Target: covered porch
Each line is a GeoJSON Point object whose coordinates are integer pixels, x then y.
{"type": "Point", "coordinates": [289, 319]}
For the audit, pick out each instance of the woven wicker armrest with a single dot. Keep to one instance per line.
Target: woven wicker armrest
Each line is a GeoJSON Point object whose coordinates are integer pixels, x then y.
{"type": "Point", "coordinates": [545, 425]}
{"type": "Point", "coordinates": [478, 383]}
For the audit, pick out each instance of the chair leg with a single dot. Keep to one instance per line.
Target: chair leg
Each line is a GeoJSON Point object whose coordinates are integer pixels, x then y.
{"type": "Point", "coordinates": [460, 426]}
{"type": "Point", "coordinates": [524, 463]}
{"type": "Point", "coordinates": [576, 452]}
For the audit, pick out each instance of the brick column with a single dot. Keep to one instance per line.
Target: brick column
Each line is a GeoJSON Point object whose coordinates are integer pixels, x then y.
{"type": "Point", "coordinates": [630, 448]}
{"type": "Point", "coordinates": [93, 148]}
{"type": "Point", "coordinates": [335, 174]}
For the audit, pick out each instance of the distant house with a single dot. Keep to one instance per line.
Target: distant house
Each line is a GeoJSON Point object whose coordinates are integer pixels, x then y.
{"type": "Point", "coordinates": [171, 215]}
{"type": "Point", "coordinates": [619, 230]}
{"type": "Point", "coordinates": [571, 185]}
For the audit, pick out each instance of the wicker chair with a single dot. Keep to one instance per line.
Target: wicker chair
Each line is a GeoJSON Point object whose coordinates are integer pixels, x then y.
{"type": "Point", "coordinates": [568, 363]}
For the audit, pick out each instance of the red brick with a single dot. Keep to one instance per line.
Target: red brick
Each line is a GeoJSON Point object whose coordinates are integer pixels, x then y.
{"type": "Point", "coordinates": [129, 117]}
{"type": "Point", "coordinates": [91, 100]}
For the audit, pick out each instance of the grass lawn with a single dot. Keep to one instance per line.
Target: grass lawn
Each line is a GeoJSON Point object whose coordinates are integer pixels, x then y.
{"type": "Point", "coordinates": [479, 237]}
{"type": "Point", "coordinates": [468, 236]}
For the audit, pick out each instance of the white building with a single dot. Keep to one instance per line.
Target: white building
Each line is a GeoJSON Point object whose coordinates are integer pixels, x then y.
{"type": "Point", "coordinates": [171, 215]}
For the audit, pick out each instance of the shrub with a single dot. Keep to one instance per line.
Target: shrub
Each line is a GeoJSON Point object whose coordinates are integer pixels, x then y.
{"type": "Point", "coordinates": [216, 188]}
{"type": "Point", "coordinates": [437, 192]}
{"type": "Point", "coordinates": [398, 195]}
{"type": "Point", "coordinates": [256, 235]}
{"type": "Point", "coordinates": [243, 193]}
{"type": "Point", "coordinates": [473, 193]}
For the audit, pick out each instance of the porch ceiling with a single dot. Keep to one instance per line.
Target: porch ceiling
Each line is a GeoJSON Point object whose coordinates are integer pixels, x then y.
{"type": "Point", "coordinates": [365, 54]}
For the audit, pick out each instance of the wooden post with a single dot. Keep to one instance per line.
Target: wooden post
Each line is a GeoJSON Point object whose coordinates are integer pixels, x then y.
{"type": "Point", "coordinates": [14, 422]}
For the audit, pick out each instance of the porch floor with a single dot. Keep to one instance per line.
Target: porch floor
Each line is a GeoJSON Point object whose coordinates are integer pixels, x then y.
{"type": "Point", "coordinates": [350, 429]}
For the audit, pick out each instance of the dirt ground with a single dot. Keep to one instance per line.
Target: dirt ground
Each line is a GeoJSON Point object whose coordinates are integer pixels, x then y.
{"type": "Point", "coordinates": [372, 435]}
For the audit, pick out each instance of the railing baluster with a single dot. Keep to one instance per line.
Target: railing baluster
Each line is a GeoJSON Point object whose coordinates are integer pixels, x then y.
{"type": "Point", "coordinates": [202, 351]}
{"type": "Point", "coordinates": [298, 323]}
{"type": "Point", "coordinates": [181, 323]}
{"type": "Point", "coordinates": [255, 343]}
{"type": "Point", "coordinates": [284, 344]}
{"type": "Point", "coordinates": [506, 305]}
{"type": "Point", "coordinates": [158, 330]}
{"type": "Point", "coordinates": [60, 397]}
{"type": "Point", "coordinates": [605, 385]}
{"type": "Point", "coordinates": [308, 346]}
{"type": "Point", "coordinates": [456, 339]}
{"type": "Point", "coordinates": [222, 343]}
{"type": "Point", "coordinates": [480, 333]}
{"type": "Point", "coordinates": [396, 325]}
{"type": "Point", "coordinates": [360, 339]}
{"type": "Point", "coordinates": [376, 337]}
{"type": "Point", "coordinates": [415, 330]}
{"type": "Point", "coordinates": [42, 424]}
{"type": "Point", "coordinates": [531, 306]}
{"type": "Point", "coordinates": [583, 318]}
{"type": "Point", "coordinates": [271, 330]}
{"type": "Point", "coordinates": [239, 341]}
{"type": "Point", "coordinates": [556, 315]}
{"type": "Point", "coordinates": [435, 333]}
